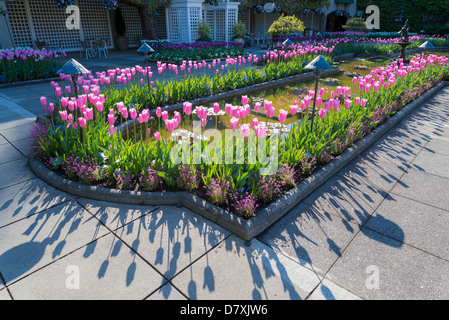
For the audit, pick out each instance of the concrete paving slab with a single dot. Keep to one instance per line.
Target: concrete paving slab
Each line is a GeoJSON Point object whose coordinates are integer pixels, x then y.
{"type": "Point", "coordinates": [3, 140]}
{"type": "Point", "coordinates": [425, 188]}
{"type": "Point", "coordinates": [171, 238]}
{"type": "Point", "coordinates": [9, 153]}
{"type": "Point", "coordinates": [4, 295]}
{"type": "Point", "coordinates": [103, 270]}
{"type": "Point", "coordinates": [19, 132]}
{"type": "Point", "coordinates": [309, 237]}
{"type": "Point", "coordinates": [14, 172]}
{"type": "Point", "coordinates": [28, 198]}
{"type": "Point", "coordinates": [115, 216]}
{"type": "Point", "coordinates": [397, 218]}
{"type": "Point", "coordinates": [380, 175]}
{"type": "Point", "coordinates": [432, 163]}
{"type": "Point", "coordinates": [38, 240]}
{"type": "Point", "coordinates": [233, 271]}
{"type": "Point", "coordinates": [327, 290]}
{"type": "Point", "coordinates": [378, 267]}
{"type": "Point", "coordinates": [438, 145]}
{"type": "Point", "coordinates": [14, 123]}
{"type": "Point", "coordinates": [166, 292]}
{"type": "Point", "coordinates": [23, 146]}
{"type": "Point", "coordinates": [349, 200]}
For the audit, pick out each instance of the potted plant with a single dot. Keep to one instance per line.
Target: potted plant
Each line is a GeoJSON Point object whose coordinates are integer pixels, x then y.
{"type": "Point", "coordinates": [239, 30]}
{"type": "Point", "coordinates": [204, 31]}
{"type": "Point", "coordinates": [122, 42]}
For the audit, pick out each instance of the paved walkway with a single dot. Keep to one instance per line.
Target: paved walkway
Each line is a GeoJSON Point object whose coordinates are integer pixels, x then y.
{"type": "Point", "coordinates": [377, 230]}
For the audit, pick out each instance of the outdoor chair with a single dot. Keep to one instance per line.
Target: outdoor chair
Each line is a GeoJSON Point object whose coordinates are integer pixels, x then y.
{"type": "Point", "coordinates": [39, 44]}
{"type": "Point", "coordinates": [102, 47]}
{"type": "Point", "coordinates": [88, 51]}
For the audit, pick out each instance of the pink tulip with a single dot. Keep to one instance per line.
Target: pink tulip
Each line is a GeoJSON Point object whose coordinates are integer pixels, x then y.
{"type": "Point", "coordinates": [255, 122]}
{"type": "Point", "coordinates": [244, 130]}
{"type": "Point", "coordinates": [51, 107]}
{"type": "Point", "coordinates": [321, 91]}
{"type": "Point", "coordinates": [322, 113]}
{"type": "Point", "coordinates": [158, 112]}
{"type": "Point", "coordinates": [111, 129]}
{"type": "Point", "coordinates": [82, 122]}
{"type": "Point", "coordinates": [216, 107]}
{"type": "Point", "coordinates": [133, 113]}
{"type": "Point", "coordinates": [363, 102]}
{"type": "Point", "coordinates": [187, 108]}
{"type": "Point", "coordinates": [157, 136]}
{"type": "Point", "coordinates": [244, 100]}
{"type": "Point", "coordinates": [319, 101]}
{"type": "Point", "coordinates": [257, 106]}
{"type": "Point", "coordinates": [347, 103]}
{"type": "Point", "coordinates": [203, 121]}
{"type": "Point", "coordinates": [63, 115]}
{"type": "Point", "coordinates": [125, 113]}
{"type": "Point", "coordinates": [72, 105]}
{"type": "Point", "coordinates": [100, 106]}
{"type": "Point", "coordinates": [111, 119]}
{"type": "Point", "coordinates": [234, 123]}
{"type": "Point", "coordinates": [58, 92]}
{"type": "Point", "coordinates": [164, 115]}
{"type": "Point", "coordinates": [64, 102]}
{"type": "Point", "coordinates": [43, 101]}
{"type": "Point", "coordinates": [120, 106]}
{"type": "Point", "coordinates": [261, 131]}
{"type": "Point", "coordinates": [177, 116]}
{"type": "Point", "coordinates": [270, 112]}
{"type": "Point", "coordinates": [228, 108]}
{"type": "Point", "coordinates": [293, 109]}
{"type": "Point", "coordinates": [283, 115]}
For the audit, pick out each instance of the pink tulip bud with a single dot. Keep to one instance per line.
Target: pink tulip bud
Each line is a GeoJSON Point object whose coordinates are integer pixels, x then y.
{"type": "Point", "coordinates": [63, 115]}
{"type": "Point", "coordinates": [282, 115]}
{"type": "Point", "coordinates": [111, 119]}
{"type": "Point", "coordinates": [43, 101]}
{"type": "Point", "coordinates": [322, 113]}
{"type": "Point", "coordinates": [111, 129]}
{"type": "Point", "coordinates": [82, 122]}
{"type": "Point", "coordinates": [157, 136]}
{"type": "Point", "coordinates": [216, 107]}
{"type": "Point", "coordinates": [244, 130]}
{"type": "Point", "coordinates": [234, 123]}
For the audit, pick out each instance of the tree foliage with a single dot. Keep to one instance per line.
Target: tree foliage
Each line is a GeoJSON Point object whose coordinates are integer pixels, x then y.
{"type": "Point", "coordinates": [285, 25]}
{"type": "Point", "coordinates": [289, 7]}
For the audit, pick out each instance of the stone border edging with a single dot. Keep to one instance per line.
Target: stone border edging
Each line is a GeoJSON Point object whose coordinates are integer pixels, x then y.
{"type": "Point", "coordinates": [245, 229]}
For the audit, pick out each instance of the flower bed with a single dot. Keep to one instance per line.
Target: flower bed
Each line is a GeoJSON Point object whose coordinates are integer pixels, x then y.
{"type": "Point", "coordinates": [177, 52]}
{"type": "Point", "coordinates": [82, 142]}
{"type": "Point", "coordinates": [21, 64]}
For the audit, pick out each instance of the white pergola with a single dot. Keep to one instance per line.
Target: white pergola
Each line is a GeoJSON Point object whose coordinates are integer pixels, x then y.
{"type": "Point", "coordinates": [182, 17]}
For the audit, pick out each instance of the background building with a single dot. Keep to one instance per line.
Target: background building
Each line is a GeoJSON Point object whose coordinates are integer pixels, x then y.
{"type": "Point", "coordinates": [28, 21]}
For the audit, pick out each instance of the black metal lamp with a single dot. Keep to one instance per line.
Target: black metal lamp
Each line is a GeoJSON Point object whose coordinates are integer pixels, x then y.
{"type": "Point", "coordinates": [318, 64]}
{"type": "Point", "coordinates": [146, 50]}
{"type": "Point", "coordinates": [75, 69]}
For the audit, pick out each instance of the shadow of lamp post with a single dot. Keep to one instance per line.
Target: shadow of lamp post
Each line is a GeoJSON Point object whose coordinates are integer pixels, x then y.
{"type": "Point", "coordinates": [318, 64]}
{"type": "Point", "coordinates": [146, 50]}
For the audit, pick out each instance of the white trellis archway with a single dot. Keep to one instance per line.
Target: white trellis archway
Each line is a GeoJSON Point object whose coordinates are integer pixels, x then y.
{"type": "Point", "coordinates": [182, 17]}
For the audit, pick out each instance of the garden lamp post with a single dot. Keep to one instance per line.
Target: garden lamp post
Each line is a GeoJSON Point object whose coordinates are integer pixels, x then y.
{"type": "Point", "coordinates": [287, 42]}
{"type": "Point", "coordinates": [146, 50]}
{"type": "Point", "coordinates": [318, 64]}
{"type": "Point", "coordinates": [427, 45]}
{"type": "Point", "coordinates": [75, 69]}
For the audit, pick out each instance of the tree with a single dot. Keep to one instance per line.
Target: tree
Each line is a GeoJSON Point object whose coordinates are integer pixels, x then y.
{"type": "Point", "coordinates": [356, 24]}
{"type": "Point", "coordinates": [285, 25]}
{"type": "Point", "coordinates": [146, 10]}
{"type": "Point", "coordinates": [289, 7]}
